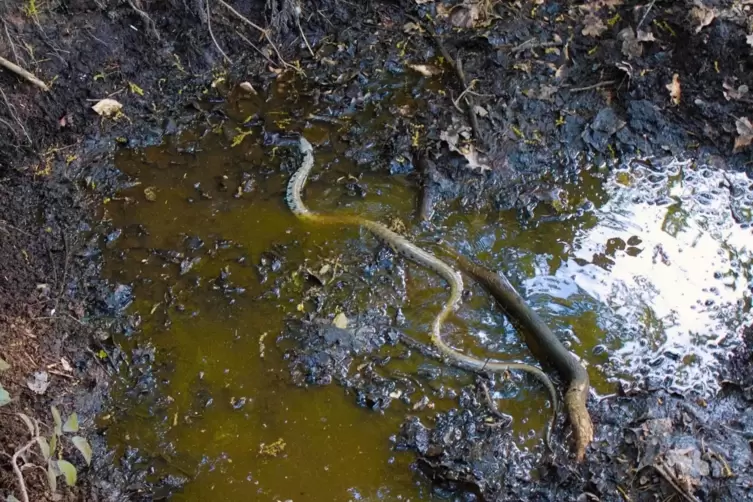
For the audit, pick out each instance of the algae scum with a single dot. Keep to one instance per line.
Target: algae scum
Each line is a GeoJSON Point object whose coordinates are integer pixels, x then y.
{"type": "Point", "coordinates": [227, 397]}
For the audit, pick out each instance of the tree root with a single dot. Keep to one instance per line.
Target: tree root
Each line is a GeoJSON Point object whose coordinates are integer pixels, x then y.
{"type": "Point", "coordinates": [544, 345]}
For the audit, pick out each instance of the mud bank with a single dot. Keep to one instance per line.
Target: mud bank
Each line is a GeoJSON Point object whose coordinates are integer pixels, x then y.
{"type": "Point", "coordinates": [557, 87]}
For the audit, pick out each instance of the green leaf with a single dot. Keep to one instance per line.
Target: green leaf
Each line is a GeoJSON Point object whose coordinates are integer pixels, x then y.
{"type": "Point", "coordinates": [4, 396]}
{"type": "Point", "coordinates": [83, 446]}
{"type": "Point", "coordinates": [58, 421]}
{"type": "Point", "coordinates": [53, 443]}
{"type": "Point", "coordinates": [71, 425]}
{"type": "Point", "coordinates": [12, 498]}
{"type": "Point", "coordinates": [52, 478]}
{"type": "Point", "coordinates": [3, 365]}
{"type": "Point", "coordinates": [44, 446]}
{"type": "Point", "coordinates": [69, 471]}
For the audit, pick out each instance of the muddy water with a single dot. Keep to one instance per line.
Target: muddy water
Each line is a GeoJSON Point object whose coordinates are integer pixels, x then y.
{"type": "Point", "coordinates": [650, 283]}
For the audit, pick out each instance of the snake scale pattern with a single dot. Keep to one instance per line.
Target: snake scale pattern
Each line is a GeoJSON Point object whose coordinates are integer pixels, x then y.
{"type": "Point", "coordinates": [403, 246]}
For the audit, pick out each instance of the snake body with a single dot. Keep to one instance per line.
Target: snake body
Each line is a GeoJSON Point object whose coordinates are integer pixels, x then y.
{"type": "Point", "coordinates": [403, 246]}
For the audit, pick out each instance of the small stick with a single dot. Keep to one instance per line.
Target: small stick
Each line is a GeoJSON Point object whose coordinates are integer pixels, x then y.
{"type": "Point", "coordinates": [23, 73]}
{"type": "Point", "coordinates": [595, 86]}
{"type": "Point", "coordinates": [209, 26]}
{"type": "Point", "coordinates": [17, 470]}
{"type": "Point", "coordinates": [259, 28]}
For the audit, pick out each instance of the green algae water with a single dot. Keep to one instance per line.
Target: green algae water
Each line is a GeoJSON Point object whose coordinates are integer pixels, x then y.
{"type": "Point", "coordinates": [651, 283]}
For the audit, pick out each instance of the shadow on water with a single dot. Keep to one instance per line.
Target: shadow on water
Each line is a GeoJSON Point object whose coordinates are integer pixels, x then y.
{"type": "Point", "coordinates": [649, 282]}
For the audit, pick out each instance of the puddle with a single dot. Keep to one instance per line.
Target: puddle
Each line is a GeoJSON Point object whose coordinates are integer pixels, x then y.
{"type": "Point", "coordinates": [653, 282]}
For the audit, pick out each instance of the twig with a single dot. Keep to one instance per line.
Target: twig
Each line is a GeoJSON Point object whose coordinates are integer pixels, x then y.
{"type": "Point", "coordinates": [305, 40]}
{"type": "Point", "coordinates": [148, 21]}
{"type": "Point", "coordinates": [17, 470]}
{"type": "Point", "coordinates": [23, 73]}
{"type": "Point", "coordinates": [15, 117]}
{"type": "Point", "coordinates": [595, 86]}
{"type": "Point", "coordinates": [462, 94]}
{"type": "Point", "coordinates": [531, 43]}
{"type": "Point", "coordinates": [10, 41]}
{"type": "Point", "coordinates": [669, 478]}
{"type": "Point", "coordinates": [209, 26]}
{"type": "Point", "coordinates": [650, 6]}
{"type": "Point", "coordinates": [249, 42]}
{"type": "Point", "coordinates": [260, 29]}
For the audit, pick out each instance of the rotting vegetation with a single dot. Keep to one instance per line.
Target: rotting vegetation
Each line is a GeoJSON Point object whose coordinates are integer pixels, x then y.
{"type": "Point", "coordinates": [535, 84]}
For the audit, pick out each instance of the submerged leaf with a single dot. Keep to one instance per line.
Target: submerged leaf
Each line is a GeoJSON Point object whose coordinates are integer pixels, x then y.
{"type": "Point", "coordinates": [69, 471]}
{"type": "Point", "coordinates": [83, 446]}
{"type": "Point", "coordinates": [71, 425]}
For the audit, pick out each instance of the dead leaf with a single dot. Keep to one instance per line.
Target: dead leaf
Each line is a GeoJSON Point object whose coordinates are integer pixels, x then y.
{"type": "Point", "coordinates": [631, 47]}
{"type": "Point", "coordinates": [412, 28]}
{"type": "Point", "coordinates": [246, 86]}
{"type": "Point", "coordinates": [452, 136]}
{"type": "Point", "coordinates": [745, 133]}
{"type": "Point", "coordinates": [646, 36]}
{"type": "Point", "coordinates": [340, 321]}
{"type": "Point", "coordinates": [480, 111]}
{"type": "Point", "coordinates": [474, 160]}
{"type": "Point", "coordinates": [702, 15]}
{"type": "Point", "coordinates": [593, 26]}
{"type": "Point", "coordinates": [749, 40]}
{"type": "Point", "coordinates": [421, 2]}
{"type": "Point", "coordinates": [107, 107]}
{"type": "Point", "coordinates": [730, 92]}
{"type": "Point", "coordinates": [465, 16]}
{"type": "Point", "coordinates": [150, 194]}
{"type": "Point", "coordinates": [39, 382]}
{"type": "Point", "coordinates": [425, 69]}
{"type": "Point", "coordinates": [674, 89]}
{"type": "Point", "coordinates": [546, 92]}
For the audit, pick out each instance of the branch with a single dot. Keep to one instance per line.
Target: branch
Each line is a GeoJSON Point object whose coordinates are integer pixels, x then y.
{"type": "Point", "coordinates": [17, 470]}
{"type": "Point", "coordinates": [23, 73]}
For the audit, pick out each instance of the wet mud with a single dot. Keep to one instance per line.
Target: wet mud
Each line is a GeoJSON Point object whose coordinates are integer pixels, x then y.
{"type": "Point", "coordinates": [617, 90]}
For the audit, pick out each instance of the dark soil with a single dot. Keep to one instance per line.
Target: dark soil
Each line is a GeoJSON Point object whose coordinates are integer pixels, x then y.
{"type": "Point", "coordinates": [552, 100]}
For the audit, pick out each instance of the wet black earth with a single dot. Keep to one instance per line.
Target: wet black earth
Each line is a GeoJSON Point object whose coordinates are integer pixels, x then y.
{"type": "Point", "coordinates": [552, 99]}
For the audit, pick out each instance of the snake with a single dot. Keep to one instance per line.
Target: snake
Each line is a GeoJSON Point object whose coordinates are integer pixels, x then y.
{"type": "Point", "coordinates": [403, 246]}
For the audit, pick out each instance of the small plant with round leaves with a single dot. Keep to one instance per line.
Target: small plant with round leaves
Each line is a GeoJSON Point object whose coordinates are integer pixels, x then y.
{"type": "Point", "coordinates": [51, 451]}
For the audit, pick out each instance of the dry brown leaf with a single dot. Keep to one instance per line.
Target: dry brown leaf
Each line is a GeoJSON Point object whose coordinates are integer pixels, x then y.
{"type": "Point", "coordinates": [593, 26]}
{"type": "Point", "coordinates": [745, 133]}
{"type": "Point", "coordinates": [703, 16]}
{"type": "Point", "coordinates": [674, 89]}
{"type": "Point", "coordinates": [425, 69]}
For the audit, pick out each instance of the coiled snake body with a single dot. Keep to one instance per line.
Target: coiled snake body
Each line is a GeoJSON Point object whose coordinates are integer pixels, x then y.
{"type": "Point", "coordinates": [418, 255]}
